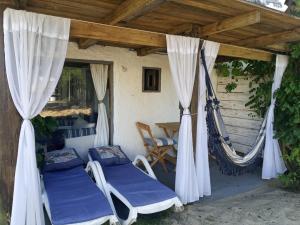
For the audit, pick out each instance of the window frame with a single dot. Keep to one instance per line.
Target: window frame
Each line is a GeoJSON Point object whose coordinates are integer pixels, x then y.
{"type": "Point", "coordinates": [144, 76]}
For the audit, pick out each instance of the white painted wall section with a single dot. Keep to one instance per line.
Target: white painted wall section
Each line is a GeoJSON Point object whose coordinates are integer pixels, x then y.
{"type": "Point", "coordinates": [130, 103]}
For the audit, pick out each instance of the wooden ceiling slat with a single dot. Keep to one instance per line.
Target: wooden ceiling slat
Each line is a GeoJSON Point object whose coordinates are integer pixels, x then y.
{"type": "Point", "coordinates": [231, 23]}
{"type": "Point", "coordinates": [61, 14]}
{"type": "Point", "coordinates": [173, 13]}
{"type": "Point", "coordinates": [130, 9]}
{"type": "Point", "coordinates": [269, 39]}
{"type": "Point", "coordinates": [69, 9]}
{"type": "Point", "coordinates": [218, 27]}
{"type": "Point", "coordinates": [207, 6]}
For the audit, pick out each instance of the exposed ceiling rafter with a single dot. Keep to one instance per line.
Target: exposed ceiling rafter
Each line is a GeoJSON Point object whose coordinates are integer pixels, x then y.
{"type": "Point", "coordinates": [269, 39]}
{"type": "Point", "coordinates": [128, 10]}
{"type": "Point", "coordinates": [231, 23]}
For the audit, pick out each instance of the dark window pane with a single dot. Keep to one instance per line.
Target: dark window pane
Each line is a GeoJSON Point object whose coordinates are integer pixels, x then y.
{"type": "Point", "coordinates": [151, 79]}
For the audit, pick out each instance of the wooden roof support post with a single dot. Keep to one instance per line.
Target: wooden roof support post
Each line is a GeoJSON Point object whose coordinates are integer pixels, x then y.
{"type": "Point", "coordinates": [10, 123]}
{"type": "Point", "coordinates": [128, 10]}
{"type": "Point", "coordinates": [217, 27]}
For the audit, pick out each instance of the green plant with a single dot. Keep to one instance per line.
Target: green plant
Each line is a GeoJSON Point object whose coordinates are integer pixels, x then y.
{"type": "Point", "coordinates": [44, 127]}
{"type": "Point", "coordinates": [287, 109]}
{"type": "Point", "coordinates": [260, 74]}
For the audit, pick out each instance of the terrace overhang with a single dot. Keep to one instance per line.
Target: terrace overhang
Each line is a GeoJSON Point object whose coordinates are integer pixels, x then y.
{"type": "Point", "coordinates": [245, 30]}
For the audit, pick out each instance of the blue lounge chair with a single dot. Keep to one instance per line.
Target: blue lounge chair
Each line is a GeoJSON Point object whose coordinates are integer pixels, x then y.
{"type": "Point", "coordinates": [138, 190]}
{"type": "Point", "coordinates": [71, 197]}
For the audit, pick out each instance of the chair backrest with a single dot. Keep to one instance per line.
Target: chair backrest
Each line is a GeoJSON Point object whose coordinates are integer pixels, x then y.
{"type": "Point", "coordinates": [144, 128]}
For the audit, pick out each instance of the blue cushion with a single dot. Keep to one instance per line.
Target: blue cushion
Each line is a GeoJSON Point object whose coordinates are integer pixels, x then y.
{"type": "Point", "coordinates": [138, 188]}
{"type": "Point", "coordinates": [163, 141]}
{"type": "Point", "coordinates": [74, 197]}
{"type": "Point", "coordinates": [62, 159]}
{"type": "Point", "coordinates": [109, 155]}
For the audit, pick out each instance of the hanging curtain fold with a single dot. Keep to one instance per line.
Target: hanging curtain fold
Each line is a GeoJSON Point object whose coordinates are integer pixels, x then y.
{"type": "Point", "coordinates": [100, 76]}
{"type": "Point", "coordinates": [273, 164]}
{"type": "Point", "coordinates": [182, 53]}
{"type": "Point", "coordinates": [35, 49]}
{"type": "Point", "coordinates": [202, 164]}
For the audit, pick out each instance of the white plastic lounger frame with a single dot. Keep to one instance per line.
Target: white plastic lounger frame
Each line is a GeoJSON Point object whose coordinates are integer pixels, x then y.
{"type": "Point", "coordinates": [133, 211]}
{"type": "Point", "coordinates": [91, 168]}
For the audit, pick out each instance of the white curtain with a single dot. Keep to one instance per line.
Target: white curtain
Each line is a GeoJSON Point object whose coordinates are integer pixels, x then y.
{"type": "Point", "coordinates": [100, 75]}
{"type": "Point", "coordinates": [182, 53]}
{"type": "Point", "coordinates": [273, 164]}
{"type": "Point", "coordinates": [35, 49]}
{"type": "Point", "coordinates": [202, 165]}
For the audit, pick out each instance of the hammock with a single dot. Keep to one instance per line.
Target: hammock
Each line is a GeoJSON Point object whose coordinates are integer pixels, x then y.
{"type": "Point", "coordinates": [219, 143]}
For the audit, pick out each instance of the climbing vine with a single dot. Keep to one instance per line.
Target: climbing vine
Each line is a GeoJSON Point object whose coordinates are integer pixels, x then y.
{"type": "Point", "coordinates": [287, 110]}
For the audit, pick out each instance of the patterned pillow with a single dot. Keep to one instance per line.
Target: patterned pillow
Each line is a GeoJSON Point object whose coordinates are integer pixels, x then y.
{"type": "Point", "coordinates": [66, 158]}
{"type": "Point", "coordinates": [109, 155]}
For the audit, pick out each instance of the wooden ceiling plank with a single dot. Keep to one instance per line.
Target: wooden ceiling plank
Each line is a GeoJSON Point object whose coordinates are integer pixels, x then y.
{"type": "Point", "coordinates": [129, 9]}
{"type": "Point", "coordinates": [126, 11]}
{"type": "Point", "coordinates": [122, 35]}
{"type": "Point", "coordinates": [269, 39]}
{"type": "Point", "coordinates": [217, 27]}
{"type": "Point", "coordinates": [231, 23]}
{"type": "Point", "coordinates": [206, 6]}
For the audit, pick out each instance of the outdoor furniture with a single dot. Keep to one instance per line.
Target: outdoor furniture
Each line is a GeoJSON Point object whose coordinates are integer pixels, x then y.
{"type": "Point", "coordinates": [138, 189]}
{"type": "Point", "coordinates": [157, 148]}
{"type": "Point", "coordinates": [170, 129]}
{"type": "Point", "coordinates": [71, 197]}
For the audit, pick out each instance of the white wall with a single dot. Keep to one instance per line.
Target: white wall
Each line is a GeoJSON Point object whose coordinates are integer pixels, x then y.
{"type": "Point", "coordinates": [130, 103]}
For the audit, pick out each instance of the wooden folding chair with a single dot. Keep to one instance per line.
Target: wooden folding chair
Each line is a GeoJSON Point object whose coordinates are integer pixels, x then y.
{"type": "Point", "coordinates": [157, 148]}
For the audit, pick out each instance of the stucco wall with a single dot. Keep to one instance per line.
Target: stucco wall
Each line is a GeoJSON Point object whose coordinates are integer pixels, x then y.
{"type": "Point", "coordinates": [130, 103]}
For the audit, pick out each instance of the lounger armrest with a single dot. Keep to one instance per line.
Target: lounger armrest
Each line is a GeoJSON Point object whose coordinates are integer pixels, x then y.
{"type": "Point", "coordinates": [141, 158]}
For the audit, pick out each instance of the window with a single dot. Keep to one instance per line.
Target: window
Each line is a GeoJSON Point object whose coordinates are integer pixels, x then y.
{"type": "Point", "coordinates": [151, 79]}
{"type": "Point", "coordinates": [74, 93]}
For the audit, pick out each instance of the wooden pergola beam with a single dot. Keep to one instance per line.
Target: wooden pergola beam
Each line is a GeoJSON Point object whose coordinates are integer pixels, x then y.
{"type": "Point", "coordinates": [129, 36]}
{"type": "Point", "coordinates": [232, 23]}
{"type": "Point", "coordinates": [126, 11]}
{"type": "Point", "coordinates": [269, 39]}
{"type": "Point", "coordinates": [130, 9]}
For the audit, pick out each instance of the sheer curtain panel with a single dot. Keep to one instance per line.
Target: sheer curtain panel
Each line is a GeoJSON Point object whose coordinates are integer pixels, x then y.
{"type": "Point", "coordinates": [273, 164]}
{"type": "Point", "coordinates": [100, 76]}
{"type": "Point", "coordinates": [202, 164]}
{"type": "Point", "coordinates": [182, 53]}
{"type": "Point", "coordinates": [35, 49]}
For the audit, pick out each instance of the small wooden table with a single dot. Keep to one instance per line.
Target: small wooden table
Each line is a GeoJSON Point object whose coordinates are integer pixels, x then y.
{"type": "Point", "coordinates": [167, 127]}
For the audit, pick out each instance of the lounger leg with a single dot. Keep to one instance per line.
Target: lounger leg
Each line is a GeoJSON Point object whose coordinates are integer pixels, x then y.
{"type": "Point", "coordinates": [178, 206]}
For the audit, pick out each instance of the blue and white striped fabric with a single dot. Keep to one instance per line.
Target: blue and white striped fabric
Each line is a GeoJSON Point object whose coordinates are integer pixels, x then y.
{"type": "Point", "coordinates": [163, 141]}
{"type": "Point", "coordinates": [72, 133]}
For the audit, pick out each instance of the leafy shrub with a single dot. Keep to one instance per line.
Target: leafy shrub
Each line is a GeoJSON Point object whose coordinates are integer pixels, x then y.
{"type": "Point", "coordinates": [287, 110]}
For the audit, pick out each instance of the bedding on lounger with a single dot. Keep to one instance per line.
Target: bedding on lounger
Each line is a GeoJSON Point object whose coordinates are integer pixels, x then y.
{"type": "Point", "coordinates": [73, 197]}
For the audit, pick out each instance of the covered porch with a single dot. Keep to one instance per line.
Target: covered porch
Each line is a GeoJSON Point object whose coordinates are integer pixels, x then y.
{"type": "Point", "coordinates": [129, 35]}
